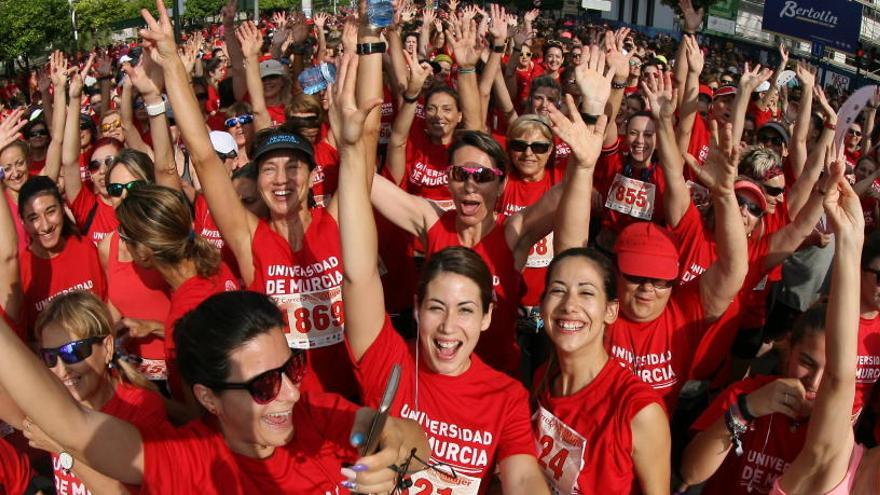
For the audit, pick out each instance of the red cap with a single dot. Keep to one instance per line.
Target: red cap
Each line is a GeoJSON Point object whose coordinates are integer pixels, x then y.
{"type": "Point", "coordinates": [726, 90]}
{"type": "Point", "coordinates": [645, 249]}
{"type": "Point", "coordinates": [757, 192]}
{"type": "Point", "coordinates": [706, 90]}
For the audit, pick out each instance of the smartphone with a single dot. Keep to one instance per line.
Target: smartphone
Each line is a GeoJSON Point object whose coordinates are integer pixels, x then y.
{"type": "Point", "coordinates": [378, 423]}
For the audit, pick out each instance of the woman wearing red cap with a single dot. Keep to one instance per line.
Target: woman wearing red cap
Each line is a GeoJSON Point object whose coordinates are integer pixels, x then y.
{"type": "Point", "coordinates": [443, 383]}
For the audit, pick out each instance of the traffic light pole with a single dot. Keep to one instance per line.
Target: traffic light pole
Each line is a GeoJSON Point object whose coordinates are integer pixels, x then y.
{"type": "Point", "coordinates": [176, 16]}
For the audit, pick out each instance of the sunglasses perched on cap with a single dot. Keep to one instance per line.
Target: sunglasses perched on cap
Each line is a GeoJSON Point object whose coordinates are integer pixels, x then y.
{"type": "Point", "coordinates": [264, 388]}
{"type": "Point", "coordinates": [537, 147]}
{"type": "Point", "coordinates": [229, 155]}
{"type": "Point", "coordinates": [481, 175]}
{"type": "Point", "coordinates": [658, 283]}
{"type": "Point", "coordinates": [96, 164]}
{"type": "Point", "coordinates": [770, 138]}
{"type": "Point", "coordinates": [239, 120]}
{"type": "Point", "coordinates": [116, 189]}
{"type": "Point", "coordinates": [753, 209]}
{"type": "Point", "coordinates": [71, 352]}
{"type": "Point", "coordinates": [772, 190]}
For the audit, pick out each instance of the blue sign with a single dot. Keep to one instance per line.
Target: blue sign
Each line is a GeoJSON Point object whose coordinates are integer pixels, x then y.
{"type": "Point", "coordinates": [836, 24]}
{"type": "Point", "coordinates": [817, 49]}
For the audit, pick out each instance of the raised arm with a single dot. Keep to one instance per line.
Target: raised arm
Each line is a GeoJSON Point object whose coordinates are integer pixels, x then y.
{"type": "Point", "coordinates": [724, 278]}
{"type": "Point", "coordinates": [799, 192]}
{"type": "Point", "coordinates": [58, 76]}
{"type": "Point", "coordinates": [406, 113]}
{"type": "Point", "coordinates": [748, 82]}
{"type": "Point", "coordinates": [465, 43]}
{"type": "Point", "coordinates": [251, 41]}
{"type": "Point", "coordinates": [823, 461]}
{"type": "Point", "coordinates": [662, 98]}
{"type": "Point", "coordinates": [771, 93]}
{"type": "Point", "coordinates": [399, 69]}
{"type": "Point", "coordinates": [688, 113]}
{"type": "Point", "coordinates": [71, 146]}
{"type": "Point", "coordinates": [428, 16]}
{"type": "Point", "coordinates": [498, 30]}
{"type": "Point", "coordinates": [104, 74]}
{"type": "Point", "coordinates": [11, 296]}
{"type": "Point", "coordinates": [320, 20]}
{"type": "Point", "coordinates": [797, 151]}
{"type": "Point", "coordinates": [236, 55]}
{"type": "Point", "coordinates": [133, 137]}
{"type": "Point", "coordinates": [619, 62]}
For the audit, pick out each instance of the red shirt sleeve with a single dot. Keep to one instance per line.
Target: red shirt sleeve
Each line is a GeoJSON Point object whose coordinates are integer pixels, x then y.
{"type": "Point", "coordinates": [15, 470]}
{"type": "Point", "coordinates": [373, 368]}
{"type": "Point", "coordinates": [83, 204]}
{"type": "Point", "coordinates": [516, 436]}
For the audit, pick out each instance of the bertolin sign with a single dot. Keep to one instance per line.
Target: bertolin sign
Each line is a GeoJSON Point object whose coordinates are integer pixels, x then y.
{"type": "Point", "coordinates": [836, 24]}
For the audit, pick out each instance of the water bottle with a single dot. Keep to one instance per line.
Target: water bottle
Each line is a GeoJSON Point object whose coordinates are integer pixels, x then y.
{"type": "Point", "coordinates": [380, 13]}
{"type": "Point", "coordinates": [316, 78]}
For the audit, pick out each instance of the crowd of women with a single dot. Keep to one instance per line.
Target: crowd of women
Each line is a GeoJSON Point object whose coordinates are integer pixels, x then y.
{"type": "Point", "coordinates": [599, 262]}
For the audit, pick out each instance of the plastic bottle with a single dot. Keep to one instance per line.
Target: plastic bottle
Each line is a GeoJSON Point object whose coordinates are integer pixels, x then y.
{"type": "Point", "coordinates": [316, 78]}
{"type": "Point", "coordinates": [380, 13]}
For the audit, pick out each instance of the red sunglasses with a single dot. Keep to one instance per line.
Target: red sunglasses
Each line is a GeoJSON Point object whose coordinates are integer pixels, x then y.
{"type": "Point", "coordinates": [264, 388]}
{"type": "Point", "coordinates": [481, 175]}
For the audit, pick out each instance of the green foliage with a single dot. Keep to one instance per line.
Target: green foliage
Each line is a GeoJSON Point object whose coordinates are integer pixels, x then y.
{"type": "Point", "coordinates": [29, 27]}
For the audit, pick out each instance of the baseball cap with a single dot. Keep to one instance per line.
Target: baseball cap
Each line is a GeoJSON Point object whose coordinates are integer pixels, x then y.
{"type": "Point", "coordinates": [757, 192]}
{"type": "Point", "coordinates": [645, 249]}
{"type": "Point", "coordinates": [283, 141]}
{"type": "Point", "coordinates": [726, 90]}
{"type": "Point", "coordinates": [223, 142]}
{"type": "Point", "coordinates": [778, 128]}
{"type": "Point", "coordinates": [764, 86]}
{"type": "Point", "coordinates": [271, 67]}
{"type": "Point", "coordinates": [706, 90]}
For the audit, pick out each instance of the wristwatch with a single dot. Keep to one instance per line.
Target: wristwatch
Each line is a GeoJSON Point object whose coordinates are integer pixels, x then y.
{"type": "Point", "coordinates": [156, 109]}
{"type": "Point", "coordinates": [65, 460]}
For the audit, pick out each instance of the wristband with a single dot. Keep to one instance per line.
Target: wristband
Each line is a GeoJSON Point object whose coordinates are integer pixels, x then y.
{"type": "Point", "coordinates": [743, 405]}
{"type": "Point", "coordinates": [467, 70]}
{"type": "Point", "coordinates": [156, 109]}
{"type": "Point", "coordinates": [410, 99]}
{"type": "Point", "coordinates": [617, 85]}
{"type": "Point", "coordinates": [589, 118]}
{"type": "Point", "coordinates": [498, 48]}
{"type": "Point", "coordinates": [370, 48]}
{"type": "Point", "coordinates": [830, 126]}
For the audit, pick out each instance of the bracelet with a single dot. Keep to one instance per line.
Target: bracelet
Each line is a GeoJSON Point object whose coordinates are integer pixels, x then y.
{"type": "Point", "coordinates": [410, 99]}
{"type": "Point", "coordinates": [743, 406]}
{"type": "Point", "coordinates": [517, 48]}
{"type": "Point", "coordinates": [830, 126]}
{"type": "Point", "coordinates": [617, 85]}
{"type": "Point", "coordinates": [156, 109]}
{"type": "Point", "coordinates": [736, 428]}
{"type": "Point", "coordinates": [589, 118]}
{"type": "Point", "coordinates": [467, 70]}
{"type": "Point", "coordinates": [371, 48]}
{"type": "Point", "coordinates": [498, 48]}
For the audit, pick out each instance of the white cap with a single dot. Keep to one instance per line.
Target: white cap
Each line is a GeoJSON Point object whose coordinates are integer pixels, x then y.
{"type": "Point", "coordinates": [89, 81]}
{"type": "Point", "coordinates": [223, 142]}
{"type": "Point", "coordinates": [125, 58]}
{"type": "Point", "coordinates": [764, 86]}
{"type": "Point", "coordinates": [271, 67]}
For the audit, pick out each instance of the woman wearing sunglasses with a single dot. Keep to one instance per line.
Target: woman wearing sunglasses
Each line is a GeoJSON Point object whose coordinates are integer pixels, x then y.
{"type": "Point", "coordinates": [443, 382]}
{"type": "Point", "coordinates": [111, 126]}
{"type": "Point", "coordinates": [240, 123]}
{"type": "Point", "coordinates": [155, 223]}
{"type": "Point", "coordinates": [76, 344]}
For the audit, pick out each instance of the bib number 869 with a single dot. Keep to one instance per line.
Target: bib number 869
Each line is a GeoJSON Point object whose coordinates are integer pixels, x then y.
{"type": "Point", "coordinates": [319, 317]}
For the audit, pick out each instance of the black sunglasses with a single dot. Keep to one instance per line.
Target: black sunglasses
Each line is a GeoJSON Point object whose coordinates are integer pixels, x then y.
{"type": "Point", "coordinates": [116, 189]}
{"type": "Point", "coordinates": [753, 209]}
{"type": "Point", "coordinates": [658, 283]}
{"type": "Point", "coordinates": [537, 147]}
{"type": "Point", "coordinates": [853, 132]}
{"type": "Point", "coordinates": [772, 190]}
{"type": "Point", "coordinates": [228, 155]}
{"type": "Point", "coordinates": [38, 133]}
{"type": "Point", "coordinates": [304, 122]}
{"type": "Point", "coordinates": [71, 352]}
{"type": "Point", "coordinates": [774, 140]}
{"type": "Point", "coordinates": [96, 164]}
{"type": "Point", "coordinates": [480, 175]}
{"type": "Point", "coordinates": [264, 388]}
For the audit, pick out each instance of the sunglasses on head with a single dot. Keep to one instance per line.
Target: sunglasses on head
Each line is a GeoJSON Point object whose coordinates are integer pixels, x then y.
{"type": "Point", "coordinates": [769, 138]}
{"type": "Point", "coordinates": [71, 352]}
{"type": "Point", "coordinates": [480, 175]}
{"type": "Point", "coordinates": [537, 147]}
{"type": "Point", "coordinates": [854, 132]}
{"type": "Point", "coordinates": [239, 120]}
{"type": "Point", "coordinates": [111, 125]}
{"type": "Point", "coordinates": [96, 164]}
{"type": "Point", "coordinates": [264, 388]}
{"type": "Point", "coordinates": [228, 155]}
{"type": "Point", "coordinates": [38, 133]}
{"type": "Point", "coordinates": [772, 190]}
{"type": "Point", "coordinates": [753, 209]}
{"type": "Point", "coordinates": [116, 189]}
{"type": "Point", "coordinates": [304, 122]}
{"type": "Point", "coordinates": [658, 283]}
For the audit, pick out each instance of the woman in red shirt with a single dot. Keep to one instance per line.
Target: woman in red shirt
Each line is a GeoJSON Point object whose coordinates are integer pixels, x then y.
{"type": "Point", "coordinates": [155, 223]}
{"type": "Point", "coordinates": [76, 344]}
{"type": "Point", "coordinates": [442, 382]}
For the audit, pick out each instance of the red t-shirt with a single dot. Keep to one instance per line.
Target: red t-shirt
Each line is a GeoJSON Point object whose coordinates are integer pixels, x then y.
{"type": "Point", "coordinates": [196, 458]}
{"type": "Point", "coordinates": [307, 286]}
{"type": "Point", "coordinates": [612, 164]}
{"type": "Point", "coordinates": [699, 144]}
{"type": "Point", "coordinates": [473, 420]}
{"type": "Point", "coordinates": [104, 221]}
{"type": "Point", "coordinates": [205, 226]}
{"type": "Point", "coordinates": [15, 470]}
{"type": "Point", "coordinates": [659, 352]}
{"type": "Point", "coordinates": [426, 165]}
{"type": "Point", "coordinates": [325, 178]}
{"type": "Point", "coordinates": [519, 194]}
{"type": "Point", "coordinates": [585, 439]}
{"type": "Point", "coordinates": [761, 116]}
{"type": "Point", "coordinates": [142, 408]}
{"type": "Point", "coordinates": [868, 367]}
{"type": "Point", "coordinates": [769, 445]}
{"type": "Point", "coordinates": [524, 83]}
{"type": "Point", "coordinates": [140, 293]}
{"type": "Point", "coordinates": [497, 345]}
{"type": "Point", "coordinates": [184, 299]}
{"type": "Point", "coordinates": [77, 267]}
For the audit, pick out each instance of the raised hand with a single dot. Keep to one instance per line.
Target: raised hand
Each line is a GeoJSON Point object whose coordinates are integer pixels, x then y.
{"type": "Point", "coordinates": [147, 77]}
{"type": "Point", "coordinates": [720, 169]}
{"type": "Point", "coordinates": [58, 70]}
{"type": "Point", "coordinates": [785, 396]}
{"type": "Point", "coordinates": [783, 54]}
{"type": "Point", "coordinates": [76, 78]}
{"type": "Point", "coordinates": [417, 75]}
{"type": "Point", "coordinates": [521, 35]}
{"type": "Point", "coordinates": [753, 77]}
{"type": "Point", "coordinates": [251, 40]}
{"type": "Point", "coordinates": [824, 106]}
{"type": "Point", "coordinates": [428, 16]}
{"type": "Point", "coordinates": [103, 65]}
{"type": "Point", "coordinates": [346, 117]}
{"type": "Point", "coordinates": [806, 73]}
{"type": "Point", "coordinates": [585, 140]}
{"type": "Point", "coordinates": [614, 51]}
{"type": "Point", "coordinates": [320, 19]}
{"type": "Point", "coordinates": [498, 24]}
{"type": "Point", "coordinates": [531, 15]}
{"type": "Point", "coordinates": [462, 38]}
{"type": "Point", "coordinates": [694, 55]}
{"type": "Point", "coordinates": [593, 78]}
{"type": "Point", "coordinates": [662, 97]}
{"type": "Point", "coordinates": [349, 35]}
{"type": "Point", "coordinates": [453, 7]}
{"type": "Point", "coordinates": [298, 27]}
{"type": "Point", "coordinates": [280, 19]}
{"type": "Point", "coordinates": [188, 54]}
{"type": "Point", "coordinates": [228, 12]}
{"type": "Point", "coordinates": [10, 126]}
{"type": "Point", "coordinates": [692, 18]}
{"type": "Point", "coordinates": [159, 36]}
{"type": "Point", "coordinates": [842, 205]}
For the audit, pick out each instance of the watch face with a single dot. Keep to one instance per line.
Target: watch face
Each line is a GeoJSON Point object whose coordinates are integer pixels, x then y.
{"type": "Point", "coordinates": [66, 460]}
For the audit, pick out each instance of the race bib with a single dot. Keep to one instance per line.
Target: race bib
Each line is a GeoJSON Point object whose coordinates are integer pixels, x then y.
{"type": "Point", "coordinates": [431, 482]}
{"type": "Point", "coordinates": [315, 319]}
{"type": "Point", "coordinates": [560, 451]}
{"type": "Point", "coordinates": [153, 369]}
{"type": "Point", "coordinates": [541, 253]}
{"type": "Point", "coordinates": [631, 197]}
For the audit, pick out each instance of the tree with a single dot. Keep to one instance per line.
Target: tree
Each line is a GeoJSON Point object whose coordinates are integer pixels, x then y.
{"type": "Point", "coordinates": [32, 27]}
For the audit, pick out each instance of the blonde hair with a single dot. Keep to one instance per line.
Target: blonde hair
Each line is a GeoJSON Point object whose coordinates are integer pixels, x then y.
{"type": "Point", "coordinates": [760, 164]}
{"type": "Point", "coordinates": [160, 219]}
{"type": "Point", "coordinates": [83, 315]}
{"type": "Point", "coordinates": [303, 103]}
{"type": "Point", "coordinates": [528, 123]}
